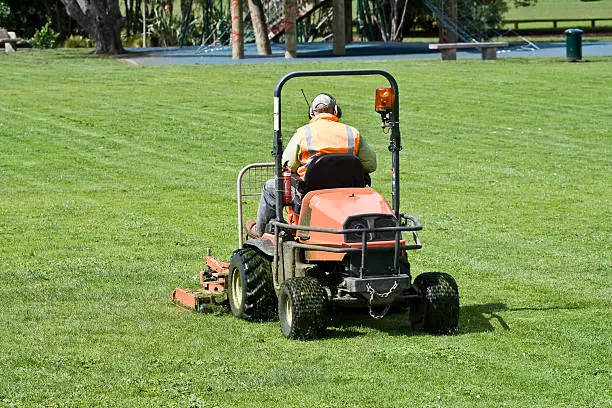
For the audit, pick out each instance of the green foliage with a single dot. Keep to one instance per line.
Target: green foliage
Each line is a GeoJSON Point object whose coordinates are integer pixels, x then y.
{"type": "Point", "coordinates": [29, 15]}
{"type": "Point", "coordinates": [5, 15]}
{"type": "Point", "coordinates": [164, 29]}
{"type": "Point", "coordinates": [131, 40]}
{"type": "Point", "coordinates": [78, 41]}
{"type": "Point", "coordinates": [46, 37]}
{"type": "Point", "coordinates": [115, 180]}
{"type": "Point", "coordinates": [481, 19]}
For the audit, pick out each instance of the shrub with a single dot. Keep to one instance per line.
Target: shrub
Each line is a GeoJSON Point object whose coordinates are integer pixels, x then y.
{"type": "Point", "coordinates": [131, 40]}
{"type": "Point", "coordinates": [46, 37]}
{"type": "Point", "coordinates": [165, 29]}
{"type": "Point", "coordinates": [78, 41]}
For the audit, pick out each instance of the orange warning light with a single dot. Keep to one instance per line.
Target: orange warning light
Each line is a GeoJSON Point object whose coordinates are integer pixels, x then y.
{"type": "Point", "coordinates": [385, 98]}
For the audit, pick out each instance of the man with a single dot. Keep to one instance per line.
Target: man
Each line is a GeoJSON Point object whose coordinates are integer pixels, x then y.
{"type": "Point", "coordinates": [324, 134]}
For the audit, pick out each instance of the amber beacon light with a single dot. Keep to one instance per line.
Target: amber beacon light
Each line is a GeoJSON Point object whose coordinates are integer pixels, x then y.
{"type": "Point", "coordinates": [385, 98]}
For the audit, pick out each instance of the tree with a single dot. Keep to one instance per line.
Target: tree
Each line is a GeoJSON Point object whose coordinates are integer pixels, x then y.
{"type": "Point", "coordinates": [388, 17]}
{"type": "Point", "coordinates": [27, 16]}
{"type": "Point", "coordinates": [260, 29]}
{"type": "Point", "coordinates": [101, 19]}
{"type": "Point", "coordinates": [5, 15]}
{"type": "Point", "coordinates": [133, 23]}
{"type": "Point", "coordinates": [485, 18]}
{"type": "Point", "coordinates": [389, 20]}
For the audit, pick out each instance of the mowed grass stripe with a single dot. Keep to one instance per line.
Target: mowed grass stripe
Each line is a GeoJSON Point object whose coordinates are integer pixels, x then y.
{"type": "Point", "coordinates": [121, 154]}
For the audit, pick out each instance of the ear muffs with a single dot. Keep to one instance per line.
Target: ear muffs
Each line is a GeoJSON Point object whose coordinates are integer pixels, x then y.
{"type": "Point", "coordinates": [334, 105]}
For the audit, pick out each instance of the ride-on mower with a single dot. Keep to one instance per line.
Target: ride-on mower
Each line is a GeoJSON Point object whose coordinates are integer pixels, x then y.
{"type": "Point", "coordinates": [339, 244]}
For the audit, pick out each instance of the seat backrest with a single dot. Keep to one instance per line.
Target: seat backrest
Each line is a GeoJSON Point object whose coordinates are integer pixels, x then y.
{"type": "Point", "coordinates": [334, 171]}
{"type": "Point", "coordinates": [3, 34]}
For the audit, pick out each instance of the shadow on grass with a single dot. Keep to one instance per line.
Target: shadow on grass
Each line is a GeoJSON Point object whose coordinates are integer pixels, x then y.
{"type": "Point", "coordinates": [480, 318]}
{"type": "Point", "coordinates": [350, 323]}
{"type": "Point", "coordinates": [484, 318]}
{"type": "Point", "coordinates": [473, 319]}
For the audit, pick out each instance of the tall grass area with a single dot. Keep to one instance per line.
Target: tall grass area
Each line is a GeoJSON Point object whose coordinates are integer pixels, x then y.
{"type": "Point", "coordinates": [115, 180]}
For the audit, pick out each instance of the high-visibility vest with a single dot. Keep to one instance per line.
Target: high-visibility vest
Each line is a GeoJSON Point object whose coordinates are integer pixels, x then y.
{"type": "Point", "coordinates": [325, 135]}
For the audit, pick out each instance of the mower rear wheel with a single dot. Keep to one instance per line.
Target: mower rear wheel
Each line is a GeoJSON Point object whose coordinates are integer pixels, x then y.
{"type": "Point", "coordinates": [438, 311]}
{"type": "Point", "coordinates": [250, 290]}
{"type": "Point", "coordinates": [302, 308]}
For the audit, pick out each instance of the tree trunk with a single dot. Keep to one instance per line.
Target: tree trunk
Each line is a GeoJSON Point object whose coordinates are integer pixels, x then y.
{"type": "Point", "coordinates": [237, 30]}
{"type": "Point", "coordinates": [101, 19]}
{"type": "Point", "coordinates": [449, 8]}
{"type": "Point", "coordinates": [260, 27]}
{"type": "Point", "coordinates": [339, 27]}
{"type": "Point", "coordinates": [290, 8]}
{"type": "Point", "coordinates": [348, 16]}
{"type": "Point", "coordinates": [398, 31]}
{"type": "Point", "coordinates": [128, 26]}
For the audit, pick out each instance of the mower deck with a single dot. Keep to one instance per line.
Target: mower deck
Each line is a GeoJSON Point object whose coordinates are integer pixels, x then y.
{"type": "Point", "coordinates": [213, 281]}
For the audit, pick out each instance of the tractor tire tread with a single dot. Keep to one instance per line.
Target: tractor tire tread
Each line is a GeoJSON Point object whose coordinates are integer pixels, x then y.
{"type": "Point", "coordinates": [309, 308]}
{"type": "Point", "coordinates": [260, 301]}
{"type": "Point", "coordinates": [438, 312]}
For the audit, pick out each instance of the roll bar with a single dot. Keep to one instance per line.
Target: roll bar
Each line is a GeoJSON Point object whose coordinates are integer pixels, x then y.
{"type": "Point", "coordinates": [394, 140]}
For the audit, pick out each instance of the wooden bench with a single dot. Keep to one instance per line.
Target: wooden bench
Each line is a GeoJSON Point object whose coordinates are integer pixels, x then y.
{"type": "Point", "coordinates": [9, 39]}
{"type": "Point", "coordinates": [449, 50]}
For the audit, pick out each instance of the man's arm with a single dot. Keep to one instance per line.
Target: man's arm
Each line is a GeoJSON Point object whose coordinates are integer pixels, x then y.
{"type": "Point", "coordinates": [366, 155]}
{"type": "Point", "coordinates": [291, 154]}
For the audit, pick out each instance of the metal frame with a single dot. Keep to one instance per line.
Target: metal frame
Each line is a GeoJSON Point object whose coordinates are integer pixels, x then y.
{"type": "Point", "coordinates": [391, 122]}
{"type": "Point", "coordinates": [414, 227]}
{"type": "Point", "coordinates": [239, 196]}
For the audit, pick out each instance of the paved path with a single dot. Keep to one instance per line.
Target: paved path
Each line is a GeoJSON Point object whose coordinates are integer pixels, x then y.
{"type": "Point", "coordinates": [355, 51]}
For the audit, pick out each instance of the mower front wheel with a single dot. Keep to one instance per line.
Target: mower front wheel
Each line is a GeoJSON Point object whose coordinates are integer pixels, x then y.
{"type": "Point", "coordinates": [438, 310]}
{"type": "Point", "coordinates": [302, 308]}
{"type": "Point", "coordinates": [250, 290]}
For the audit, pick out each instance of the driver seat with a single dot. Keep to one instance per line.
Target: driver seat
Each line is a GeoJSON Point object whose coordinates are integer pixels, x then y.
{"type": "Point", "coordinates": [333, 171]}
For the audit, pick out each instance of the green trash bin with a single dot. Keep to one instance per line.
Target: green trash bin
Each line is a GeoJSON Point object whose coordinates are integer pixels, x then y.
{"type": "Point", "coordinates": [573, 44]}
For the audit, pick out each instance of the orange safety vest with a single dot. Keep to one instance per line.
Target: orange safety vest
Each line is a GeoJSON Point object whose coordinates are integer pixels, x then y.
{"type": "Point", "coordinates": [325, 135]}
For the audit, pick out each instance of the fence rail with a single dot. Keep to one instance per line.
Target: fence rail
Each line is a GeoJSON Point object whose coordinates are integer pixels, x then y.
{"type": "Point", "coordinates": [555, 21]}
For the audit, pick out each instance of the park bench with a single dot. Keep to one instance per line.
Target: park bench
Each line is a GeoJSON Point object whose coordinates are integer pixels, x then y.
{"type": "Point", "coordinates": [9, 39]}
{"type": "Point", "coordinates": [449, 50]}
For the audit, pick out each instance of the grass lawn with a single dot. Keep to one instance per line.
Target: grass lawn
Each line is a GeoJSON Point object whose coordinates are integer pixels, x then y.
{"type": "Point", "coordinates": [115, 180]}
{"type": "Point", "coordinates": [562, 9]}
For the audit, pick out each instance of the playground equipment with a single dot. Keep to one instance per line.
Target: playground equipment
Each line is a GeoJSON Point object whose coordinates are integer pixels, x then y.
{"type": "Point", "coordinates": [342, 244]}
{"type": "Point", "coordinates": [313, 18]}
{"type": "Point", "coordinates": [471, 21]}
{"type": "Point", "coordinates": [228, 22]}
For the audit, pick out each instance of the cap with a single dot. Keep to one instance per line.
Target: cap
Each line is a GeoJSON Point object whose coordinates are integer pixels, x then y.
{"type": "Point", "coordinates": [322, 101]}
